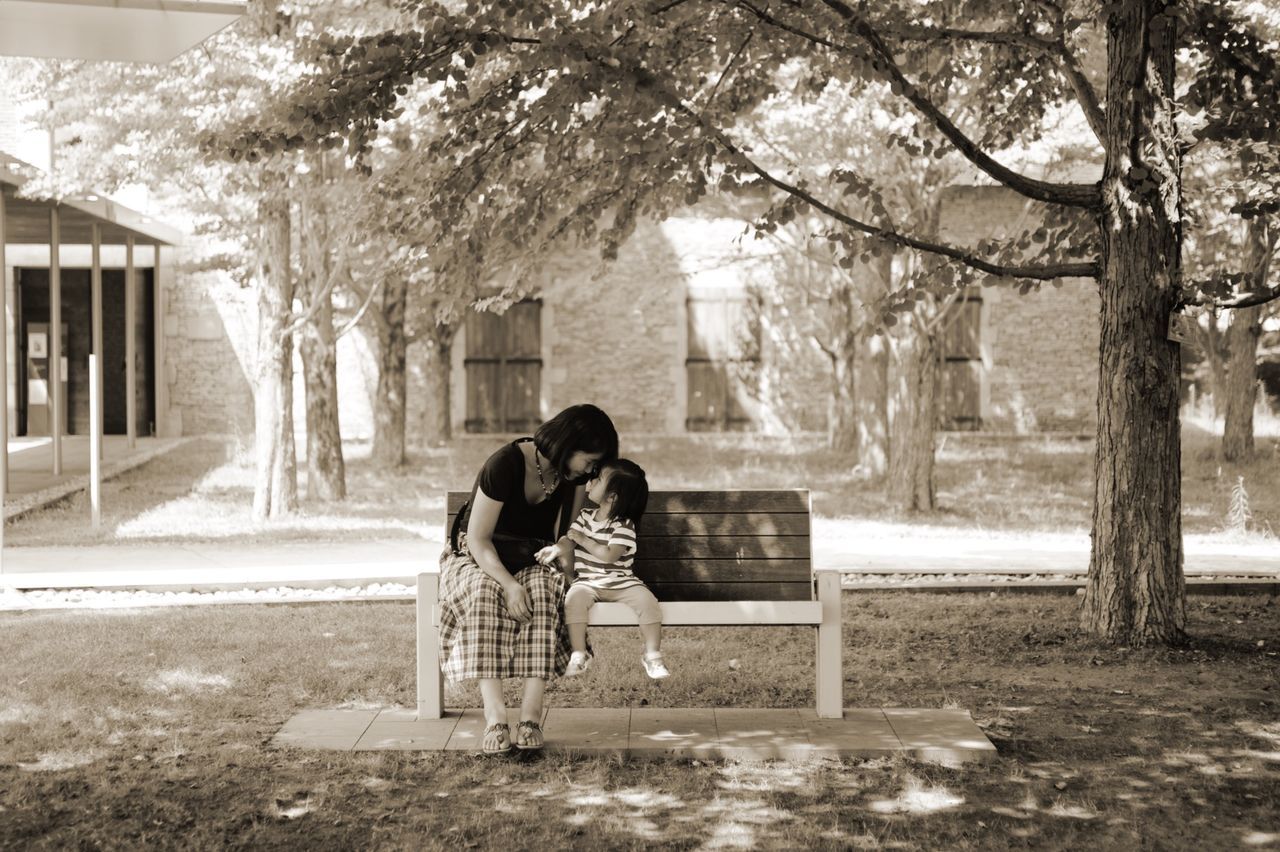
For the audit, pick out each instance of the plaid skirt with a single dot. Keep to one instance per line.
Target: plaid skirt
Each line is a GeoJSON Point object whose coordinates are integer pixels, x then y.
{"type": "Point", "coordinates": [478, 638]}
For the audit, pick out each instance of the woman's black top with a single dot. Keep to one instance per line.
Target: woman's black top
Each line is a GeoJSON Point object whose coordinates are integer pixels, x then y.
{"type": "Point", "coordinates": [502, 479]}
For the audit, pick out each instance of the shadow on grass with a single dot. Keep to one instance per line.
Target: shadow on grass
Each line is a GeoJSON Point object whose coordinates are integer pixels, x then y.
{"type": "Point", "coordinates": [151, 728]}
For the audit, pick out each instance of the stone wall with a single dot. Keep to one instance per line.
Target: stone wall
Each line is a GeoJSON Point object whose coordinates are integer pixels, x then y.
{"type": "Point", "coordinates": [1040, 351]}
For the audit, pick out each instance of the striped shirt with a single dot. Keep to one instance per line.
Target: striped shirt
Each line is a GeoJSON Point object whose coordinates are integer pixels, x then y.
{"type": "Point", "coordinates": [596, 572]}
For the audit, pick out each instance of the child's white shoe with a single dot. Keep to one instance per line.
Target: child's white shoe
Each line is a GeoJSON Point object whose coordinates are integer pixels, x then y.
{"type": "Point", "coordinates": [654, 666]}
{"type": "Point", "coordinates": [579, 662]}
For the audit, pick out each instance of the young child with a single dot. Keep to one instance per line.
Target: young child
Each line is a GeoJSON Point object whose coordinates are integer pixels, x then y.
{"type": "Point", "coordinates": [604, 541]}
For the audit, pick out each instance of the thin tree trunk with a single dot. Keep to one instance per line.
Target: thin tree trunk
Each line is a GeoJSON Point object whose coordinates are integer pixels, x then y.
{"type": "Point", "coordinates": [326, 468]}
{"type": "Point", "coordinates": [842, 420]}
{"type": "Point", "coordinates": [437, 422]}
{"type": "Point", "coordinates": [1241, 387]}
{"type": "Point", "coordinates": [872, 405]}
{"type": "Point", "coordinates": [915, 422]}
{"type": "Point", "coordinates": [1135, 593]}
{"type": "Point", "coordinates": [276, 483]}
{"type": "Point", "coordinates": [390, 397]}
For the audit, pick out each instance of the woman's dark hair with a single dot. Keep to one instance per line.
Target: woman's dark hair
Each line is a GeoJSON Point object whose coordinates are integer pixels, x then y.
{"type": "Point", "coordinates": [577, 429]}
{"type": "Point", "coordinates": [629, 488]}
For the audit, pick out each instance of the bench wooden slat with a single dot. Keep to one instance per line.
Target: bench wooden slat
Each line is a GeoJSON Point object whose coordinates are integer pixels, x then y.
{"type": "Point", "coordinates": [723, 570]}
{"type": "Point", "coordinates": [713, 523]}
{"type": "Point", "coordinates": [667, 502]}
{"type": "Point", "coordinates": [691, 614]}
{"type": "Point", "coordinates": [727, 547]}
{"type": "Point", "coordinates": [732, 591]}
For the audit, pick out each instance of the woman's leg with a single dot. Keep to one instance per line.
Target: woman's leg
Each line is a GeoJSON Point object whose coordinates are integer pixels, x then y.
{"type": "Point", "coordinates": [495, 705]}
{"type": "Point", "coordinates": [531, 703]}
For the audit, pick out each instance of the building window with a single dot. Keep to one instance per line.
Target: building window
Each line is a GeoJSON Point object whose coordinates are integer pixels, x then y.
{"type": "Point", "coordinates": [723, 360]}
{"type": "Point", "coordinates": [503, 365]}
{"type": "Point", "coordinates": [962, 364]}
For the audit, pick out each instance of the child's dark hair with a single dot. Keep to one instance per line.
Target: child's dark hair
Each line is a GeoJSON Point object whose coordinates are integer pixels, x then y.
{"type": "Point", "coordinates": [629, 487]}
{"type": "Point", "coordinates": [577, 429]}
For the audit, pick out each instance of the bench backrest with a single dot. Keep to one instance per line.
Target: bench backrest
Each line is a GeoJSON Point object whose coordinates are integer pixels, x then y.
{"type": "Point", "coordinates": [719, 545]}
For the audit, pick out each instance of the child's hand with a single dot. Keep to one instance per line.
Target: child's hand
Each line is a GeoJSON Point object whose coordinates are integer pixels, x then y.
{"type": "Point", "coordinates": [548, 556]}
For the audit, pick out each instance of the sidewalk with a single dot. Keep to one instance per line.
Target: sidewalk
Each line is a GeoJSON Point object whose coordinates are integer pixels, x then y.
{"type": "Point", "coordinates": [858, 547]}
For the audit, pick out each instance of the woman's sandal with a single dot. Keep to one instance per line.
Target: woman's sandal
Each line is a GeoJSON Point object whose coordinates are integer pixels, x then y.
{"type": "Point", "coordinates": [497, 739]}
{"type": "Point", "coordinates": [529, 736]}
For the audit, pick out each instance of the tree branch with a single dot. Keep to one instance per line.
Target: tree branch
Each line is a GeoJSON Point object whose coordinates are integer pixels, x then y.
{"type": "Point", "coordinates": [1088, 196]}
{"type": "Point", "coordinates": [1040, 272]}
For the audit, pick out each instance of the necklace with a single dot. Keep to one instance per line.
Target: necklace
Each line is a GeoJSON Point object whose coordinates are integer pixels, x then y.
{"type": "Point", "coordinates": [541, 482]}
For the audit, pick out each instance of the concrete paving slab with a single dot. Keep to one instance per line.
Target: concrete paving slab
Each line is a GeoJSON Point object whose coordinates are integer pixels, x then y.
{"type": "Point", "coordinates": [751, 734]}
{"type": "Point", "coordinates": [598, 731]}
{"type": "Point", "coordinates": [324, 729]}
{"type": "Point", "coordinates": [331, 722]}
{"type": "Point", "coordinates": [673, 732]}
{"type": "Point", "coordinates": [861, 733]}
{"type": "Point", "coordinates": [415, 735]}
{"type": "Point", "coordinates": [940, 736]}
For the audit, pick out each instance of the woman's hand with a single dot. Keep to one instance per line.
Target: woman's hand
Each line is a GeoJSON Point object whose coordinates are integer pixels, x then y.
{"type": "Point", "coordinates": [518, 603]}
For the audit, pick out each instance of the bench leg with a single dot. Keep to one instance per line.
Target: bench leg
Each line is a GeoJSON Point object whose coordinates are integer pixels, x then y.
{"type": "Point", "coordinates": [830, 686]}
{"type": "Point", "coordinates": [430, 682]}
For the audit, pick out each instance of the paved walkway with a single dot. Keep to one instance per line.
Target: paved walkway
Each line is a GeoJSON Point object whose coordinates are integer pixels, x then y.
{"type": "Point", "coordinates": [222, 566]}
{"type": "Point", "coordinates": [31, 480]}
{"type": "Point", "coordinates": [940, 736]}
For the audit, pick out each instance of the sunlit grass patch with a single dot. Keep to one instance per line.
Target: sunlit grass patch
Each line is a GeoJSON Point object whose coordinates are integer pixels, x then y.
{"type": "Point", "coordinates": [186, 681]}
{"type": "Point", "coordinates": [58, 761]}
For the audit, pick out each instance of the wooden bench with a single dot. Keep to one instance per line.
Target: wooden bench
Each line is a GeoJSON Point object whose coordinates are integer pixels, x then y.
{"type": "Point", "coordinates": [711, 558]}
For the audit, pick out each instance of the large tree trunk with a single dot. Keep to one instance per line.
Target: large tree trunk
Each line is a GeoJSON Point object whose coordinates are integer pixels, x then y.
{"type": "Point", "coordinates": [276, 485]}
{"type": "Point", "coordinates": [1241, 386]}
{"type": "Point", "coordinates": [326, 468]}
{"type": "Point", "coordinates": [915, 420]}
{"type": "Point", "coordinates": [437, 345]}
{"type": "Point", "coordinates": [1135, 592]}
{"type": "Point", "coordinates": [389, 398]}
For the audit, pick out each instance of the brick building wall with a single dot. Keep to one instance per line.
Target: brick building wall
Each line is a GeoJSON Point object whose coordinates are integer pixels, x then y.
{"type": "Point", "coordinates": [619, 338]}
{"type": "Point", "coordinates": [1040, 351]}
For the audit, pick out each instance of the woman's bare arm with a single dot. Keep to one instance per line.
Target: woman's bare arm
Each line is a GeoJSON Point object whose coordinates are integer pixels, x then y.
{"type": "Point", "coordinates": [480, 526]}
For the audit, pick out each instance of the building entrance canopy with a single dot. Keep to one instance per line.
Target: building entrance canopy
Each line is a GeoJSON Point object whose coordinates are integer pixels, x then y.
{"type": "Point", "coordinates": [153, 31]}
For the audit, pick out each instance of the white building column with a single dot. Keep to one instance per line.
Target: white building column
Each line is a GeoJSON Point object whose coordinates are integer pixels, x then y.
{"type": "Point", "coordinates": [95, 380]}
{"type": "Point", "coordinates": [56, 400]}
{"type": "Point", "coordinates": [130, 346]}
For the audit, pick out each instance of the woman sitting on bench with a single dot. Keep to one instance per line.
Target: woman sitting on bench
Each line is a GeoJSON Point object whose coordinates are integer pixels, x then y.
{"type": "Point", "coordinates": [500, 610]}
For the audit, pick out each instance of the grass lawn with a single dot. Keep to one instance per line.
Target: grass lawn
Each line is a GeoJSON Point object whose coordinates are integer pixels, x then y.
{"type": "Point", "coordinates": [203, 491]}
{"type": "Point", "coordinates": [149, 727]}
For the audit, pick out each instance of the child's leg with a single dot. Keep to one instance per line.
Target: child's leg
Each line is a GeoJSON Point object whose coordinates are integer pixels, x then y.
{"type": "Point", "coordinates": [652, 634]}
{"type": "Point", "coordinates": [577, 606]}
{"type": "Point", "coordinates": [648, 614]}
